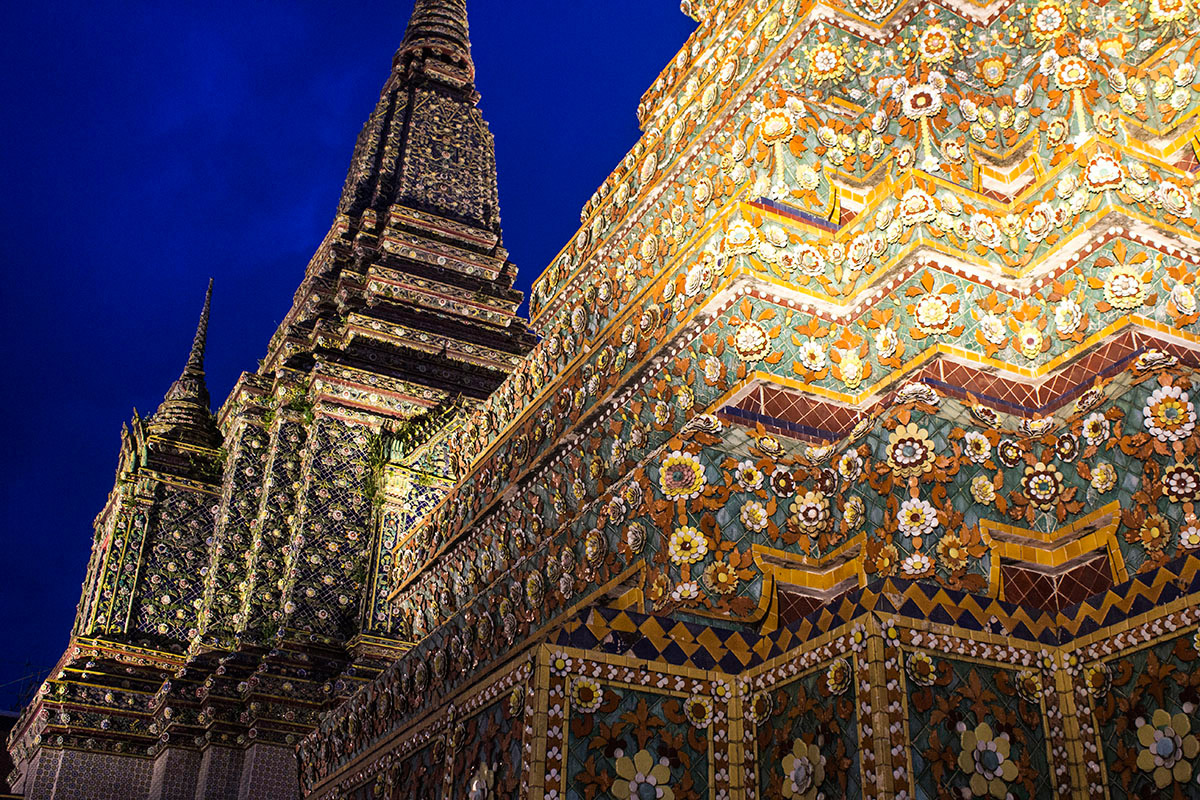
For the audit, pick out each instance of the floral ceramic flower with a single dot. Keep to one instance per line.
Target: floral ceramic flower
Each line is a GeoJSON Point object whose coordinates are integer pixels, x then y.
{"type": "Point", "coordinates": [818, 454]}
{"type": "Point", "coordinates": [812, 356]}
{"type": "Point", "coordinates": [741, 237]}
{"type": "Point", "coordinates": [935, 44]}
{"type": "Point", "coordinates": [1168, 414]}
{"type": "Point", "coordinates": [1103, 172]}
{"type": "Point", "coordinates": [686, 591]}
{"type": "Point", "coordinates": [758, 709]}
{"type": "Point", "coordinates": [1042, 484]}
{"type": "Point", "coordinates": [1123, 288]}
{"type": "Point", "coordinates": [1067, 447]}
{"type": "Point", "coordinates": [1072, 73]}
{"type": "Point", "coordinates": [749, 477]}
{"type": "Point", "coordinates": [640, 778]}
{"type": "Point", "coordinates": [783, 482]}
{"type": "Point", "coordinates": [776, 125]}
{"type": "Point", "coordinates": [922, 100]}
{"type": "Point", "coordinates": [1168, 11]}
{"type": "Point", "coordinates": [1029, 685]}
{"type": "Point", "coordinates": [838, 676]}
{"type": "Point", "coordinates": [560, 664]}
{"type": "Point", "coordinates": [810, 511]}
{"type": "Point", "coordinates": [917, 517]}
{"type": "Point", "coordinates": [1029, 340]}
{"type": "Point", "coordinates": [803, 771]}
{"type": "Point", "coordinates": [1104, 477]}
{"type": "Point", "coordinates": [849, 466]}
{"type": "Point", "coordinates": [1154, 533]}
{"type": "Point", "coordinates": [719, 578]}
{"type": "Point", "coordinates": [1039, 222]}
{"type": "Point", "coordinates": [993, 71]}
{"type": "Point", "coordinates": [987, 758]}
{"type": "Point", "coordinates": [882, 558]}
{"type": "Point", "coordinates": [1048, 20]}
{"type": "Point", "coordinates": [1183, 298]}
{"type": "Point", "coordinates": [687, 545]}
{"type": "Point", "coordinates": [586, 695]}
{"type": "Point", "coordinates": [1009, 452]}
{"type": "Point", "coordinates": [1097, 679]}
{"type": "Point", "coordinates": [1096, 430]}
{"type": "Point", "coordinates": [992, 328]}
{"type": "Point", "coordinates": [886, 342]}
{"type": "Point", "coordinates": [983, 490]}
{"type": "Point", "coordinates": [933, 314]}
{"type": "Point", "coordinates": [825, 63]}
{"type": "Point", "coordinates": [854, 512]}
{"type": "Point", "coordinates": [1168, 745]}
{"type": "Point", "coordinates": [915, 565]}
{"type": "Point", "coordinates": [699, 710]}
{"type": "Point", "coordinates": [1181, 483]}
{"type": "Point", "coordinates": [754, 516]}
{"type": "Point", "coordinates": [952, 551]}
{"type": "Point", "coordinates": [1173, 199]}
{"type": "Point", "coordinates": [921, 669]}
{"type": "Point", "coordinates": [1067, 316]}
{"type": "Point", "coordinates": [985, 230]}
{"type": "Point", "coordinates": [910, 453]}
{"type": "Point", "coordinates": [751, 341]}
{"type": "Point", "coordinates": [1154, 359]}
{"type": "Point", "coordinates": [916, 206]}
{"type": "Point", "coordinates": [1189, 534]}
{"type": "Point", "coordinates": [681, 476]}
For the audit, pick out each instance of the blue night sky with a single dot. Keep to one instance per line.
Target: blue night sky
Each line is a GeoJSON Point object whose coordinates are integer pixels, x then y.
{"type": "Point", "coordinates": [147, 146]}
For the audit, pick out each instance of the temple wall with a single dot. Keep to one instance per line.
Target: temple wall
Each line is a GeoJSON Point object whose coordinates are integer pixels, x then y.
{"type": "Point", "coordinates": [895, 690]}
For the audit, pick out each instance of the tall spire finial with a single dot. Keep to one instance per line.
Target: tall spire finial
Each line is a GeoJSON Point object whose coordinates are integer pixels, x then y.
{"type": "Point", "coordinates": [437, 43]}
{"type": "Point", "coordinates": [195, 362]}
{"type": "Point", "coordinates": [184, 414]}
{"type": "Point", "coordinates": [426, 147]}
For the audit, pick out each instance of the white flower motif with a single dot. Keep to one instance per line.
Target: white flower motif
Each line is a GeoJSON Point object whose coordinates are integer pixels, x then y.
{"type": "Point", "coordinates": [812, 356]}
{"type": "Point", "coordinates": [886, 342]}
{"type": "Point", "coordinates": [1067, 316]}
{"type": "Point", "coordinates": [917, 517]}
{"type": "Point", "coordinates": [977, 447]}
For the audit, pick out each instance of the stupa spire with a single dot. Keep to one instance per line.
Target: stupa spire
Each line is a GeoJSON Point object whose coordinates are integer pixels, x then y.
{"type": "Point", "coordinates": [426, 147]}
{"type": "Point", "coordinates": [184, 414]}
{"type": "Point", "coordinates": [437, 43]}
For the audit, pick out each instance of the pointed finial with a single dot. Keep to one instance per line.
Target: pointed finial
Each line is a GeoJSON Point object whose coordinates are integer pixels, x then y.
{"type": "Point", "coordinates": [184, 414]}
{"type": "Point", "coordinates": [195, 360]}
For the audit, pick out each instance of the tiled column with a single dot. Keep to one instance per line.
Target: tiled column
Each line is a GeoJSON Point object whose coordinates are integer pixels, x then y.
{"type": "Point", "coordinates": [269, 773]}
{"type": "Point", "coordinates": [220, 773]}
{"type": "Point", "coordinates": [174, 775]}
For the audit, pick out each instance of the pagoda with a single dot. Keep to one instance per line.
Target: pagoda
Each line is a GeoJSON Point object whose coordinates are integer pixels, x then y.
{"type": "Point", "coordinates": [237, 585]}
{"type": "Point", "coordinates": [856, 456]}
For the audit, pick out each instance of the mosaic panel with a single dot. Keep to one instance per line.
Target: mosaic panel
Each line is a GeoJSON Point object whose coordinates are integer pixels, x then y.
{"type": "Point", "coordinates": [1145, 708]}
{"type": "Point", "coordinates": [171, 588]}
{"type": "Point", "coordinates": [975, 728]}
{"type": "Point", "coordinates": [806, 734]}
{"type": "Point", "coordinates": [608, 734]}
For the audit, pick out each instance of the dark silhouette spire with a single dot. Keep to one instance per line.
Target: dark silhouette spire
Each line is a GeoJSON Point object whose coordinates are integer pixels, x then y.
{"type": "Point", "coordinates": [184, 414]}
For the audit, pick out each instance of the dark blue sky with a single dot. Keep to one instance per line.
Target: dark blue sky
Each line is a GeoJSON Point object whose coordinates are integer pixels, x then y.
{"type": "Point", "coordinates": [147, 146]}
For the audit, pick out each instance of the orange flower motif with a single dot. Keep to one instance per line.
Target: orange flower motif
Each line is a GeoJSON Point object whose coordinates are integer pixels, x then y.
{"type": "Point", "coordinates": [993, 71]}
